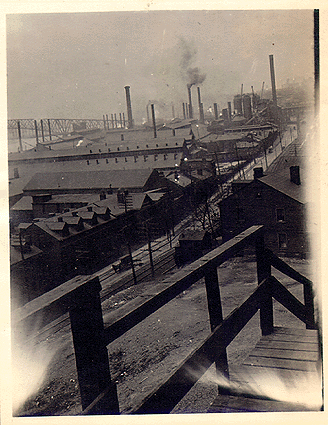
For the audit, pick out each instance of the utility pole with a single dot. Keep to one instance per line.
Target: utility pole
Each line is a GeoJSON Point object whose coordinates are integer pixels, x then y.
{"type": "Point", "coordinates": [150, 251]}
{"type": "Point", "coordinates": [128, 241]}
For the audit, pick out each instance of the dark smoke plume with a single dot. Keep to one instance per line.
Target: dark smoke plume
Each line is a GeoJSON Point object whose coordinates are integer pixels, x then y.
{"type": "Point", "coordinates": [195, 77]}
{"type": "Point", "coordinates": [188, 55]}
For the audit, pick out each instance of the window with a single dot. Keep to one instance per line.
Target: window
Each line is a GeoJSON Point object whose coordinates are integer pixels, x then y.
{"type": "Point", "coordinates": [135, 159]}
{"type": "Point", "coordinates": [107, 161]}
{"type": "Point", "coordinates": [118, 148]}
{"type": "Point", "coordinates": [280, 215]}
{"type": "Point", "coordinates": [90, 151]}
{"type": "Point", "coordinates": [126, 160]}
{"type": "Point", "coordinates": [145, 158]}
{"type": "Point", "coordinates": [97, 162]}
{"type": "Point", "coordinates": [282, 240]}
{"type": "Point", "coordinates": [147, 146]}
{"type": "Point", "coordinates": [258, 195]}
{"type": "Point", "coordinates": [108, 149]}
{"type": "Point", "coordinates": [165, 157]}
{"type": "Point", "coordinates": [155, 157]}
{"type": "Point", "coordinates": [116, 160]}
{"type": "Point", "coordinates": [88, 162]}
{"type": "Point", "coordinates": [175, 156]}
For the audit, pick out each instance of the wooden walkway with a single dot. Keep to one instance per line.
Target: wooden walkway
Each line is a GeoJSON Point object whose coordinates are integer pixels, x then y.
{"type": "Point", "coordinates": [281, 374]}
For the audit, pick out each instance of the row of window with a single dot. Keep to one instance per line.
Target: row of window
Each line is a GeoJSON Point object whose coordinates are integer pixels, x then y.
{"type": "Point", "coordinates": [136, 158]}
{"type": "Point", "coordinates": [127, 148]}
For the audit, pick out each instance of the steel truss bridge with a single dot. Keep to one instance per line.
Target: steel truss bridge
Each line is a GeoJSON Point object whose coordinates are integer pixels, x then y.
{"type": "Point", "coordinates": [59, 126]}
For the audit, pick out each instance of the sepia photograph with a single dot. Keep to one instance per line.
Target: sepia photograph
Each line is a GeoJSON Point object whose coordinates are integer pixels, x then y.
{"type": "Point", "coordinates": [163, 175]}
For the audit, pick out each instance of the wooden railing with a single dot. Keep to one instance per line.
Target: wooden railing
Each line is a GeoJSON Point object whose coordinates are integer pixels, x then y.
{"type": "Point", "coordinates": [90, 337]}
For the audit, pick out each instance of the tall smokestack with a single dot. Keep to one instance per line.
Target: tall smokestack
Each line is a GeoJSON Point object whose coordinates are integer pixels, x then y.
{"type": "Point", "coordinates": [200, 105]}
{"type": "Point", "coordinates": [190, 102]}
{"type": "Point", "coordinates": [184, 111]}
{"type": "Point", "coordinates": [229, 110]}
{"type": "Point", "coordinates": [216, 113]}
{"type": "Point", "coordinates": [147, 111]}
{"type": "Point", "coordinates": [273, 81]}
{"type": "Point", "coordinates": [19, 136]}
{"type": "Point", "coordinates": [128, 105]}
{"type": "Point", "coordinates": [154, 122]}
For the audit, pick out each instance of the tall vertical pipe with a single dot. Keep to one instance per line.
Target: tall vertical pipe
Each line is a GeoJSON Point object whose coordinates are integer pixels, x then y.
{"type": "Point", "coordinates": [216, 113]}
{"type": "Point", "coordinates": [121, 120]}
{"type": "Point", "coordinates": [112, 120]}
{"type": "Point", "coordinates": [42, 132]}
{"type": "Point", "coordinates": [104, 119]}
{"type": "Point", "coordinates": [147, 111]}
{"type": "Point", "coordinates": [36, 132]}
{"type": "Point", "coordinates": [49, 127]}
{"type": "Point", "coordinates": [154, 122]}
{"type": "Point", "coordinates": [200, 105]}
{"type": "Point", "coordinates": [191, 115]}
{"type": "Point", "coordinates": [19, 136]}
{"type": "Point", "coordinates": [229, 110]}
{"type": "Point", "coordinates": [128, 105]}
{"type": "Point", "coordinates": [173, 113]}
{"type": "Point", "coordinates": [115, 120]}
{"type": "Point", "coordinates": [184, 111]}
{"type": "Point", "coordinates": [273, 82]}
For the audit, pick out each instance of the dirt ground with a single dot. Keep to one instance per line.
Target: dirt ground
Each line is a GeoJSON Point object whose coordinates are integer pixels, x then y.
{"type": "Point", "coordinates": [148, 353]}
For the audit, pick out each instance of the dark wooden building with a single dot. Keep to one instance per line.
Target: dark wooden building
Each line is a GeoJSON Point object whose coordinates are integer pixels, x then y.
{"type": "Point", "coordinates": [279, 202]}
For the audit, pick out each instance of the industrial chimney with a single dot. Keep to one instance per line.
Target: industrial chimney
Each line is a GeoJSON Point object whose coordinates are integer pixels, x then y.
{"type": "Point", "coordinates": [190, 102]}
{"type": "Point", "coordinates": [295, 176]}
{"type": "Point", "coordinates": [216, 112]}
{"type": "Point", "coordinates": [128, 105]}
{"type": "Point", "coordinates": [200, 106]}
{"type": "Point", "coordinates": [273, 81]}
{"type": "Point", "coordinates": [229, 111]}
{"type": "Point", "coordinates": [154, 121]}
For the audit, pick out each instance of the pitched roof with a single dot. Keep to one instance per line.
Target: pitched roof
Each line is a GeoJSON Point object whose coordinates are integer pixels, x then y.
{"type": "Point", "coordinates": [89, 180]}
{"type": "Point", "coordinates": [24, 204]}
{"type": "Point", "coordinates": [281, 182]}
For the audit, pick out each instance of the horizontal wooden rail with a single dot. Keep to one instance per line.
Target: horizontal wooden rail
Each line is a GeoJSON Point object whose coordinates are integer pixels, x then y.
{"type": "Point", "coordinates": [134, 312]}
{"type": "Point", "coordinates": [166, 396]}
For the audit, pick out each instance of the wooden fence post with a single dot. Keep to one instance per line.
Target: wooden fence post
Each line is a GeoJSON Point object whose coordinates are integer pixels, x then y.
{"type": "Point", "coordinates": [264, 272]}
{"type": "Point", "coordinates": [309, 305]}
{"type": "Point", "coordinates": [90, 349]}
{"type": "Point", "coordinates": [216, 317]}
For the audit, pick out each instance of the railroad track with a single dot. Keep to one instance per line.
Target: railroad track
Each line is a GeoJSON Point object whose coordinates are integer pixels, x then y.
{"type": "Point", "coordinates": [162, 264]}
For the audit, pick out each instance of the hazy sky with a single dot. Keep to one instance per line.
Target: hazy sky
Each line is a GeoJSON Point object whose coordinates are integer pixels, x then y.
{"type": "Point", "coordinates": [76, 65]}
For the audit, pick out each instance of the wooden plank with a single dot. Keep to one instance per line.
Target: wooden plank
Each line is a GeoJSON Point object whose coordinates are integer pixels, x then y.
{"type": "Point", "coordinates": [266, 362]}
{"type": "Point", "coordinates": [285, 298]}
{"type": "Point", "coordinates": [285, 354]}
{"type": "Point", "coordinates": [231, 404]}
{"type": "Point", "coordinates": [292, 338]}
{"type": "Point", "coordinates": [246, 374]}
{"type": "Point", "coordinates": [284, 268]}
{"type": "Point", "coordinates": [288, 345]}
{"type": "Point", "coordinates": [295, 331]}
